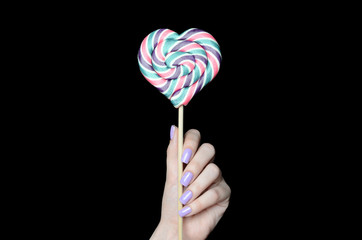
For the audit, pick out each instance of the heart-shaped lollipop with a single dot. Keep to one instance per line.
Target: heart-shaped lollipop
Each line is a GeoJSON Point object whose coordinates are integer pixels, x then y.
{"type": "Point", "coordinates": [179, 66]}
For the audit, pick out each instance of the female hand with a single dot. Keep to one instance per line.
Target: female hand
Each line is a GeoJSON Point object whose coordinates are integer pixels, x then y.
{"type": "Point", "coordinates": [206, 195]}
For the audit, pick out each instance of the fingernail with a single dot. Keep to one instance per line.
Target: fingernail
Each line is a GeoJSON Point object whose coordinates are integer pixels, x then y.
{"type": "Point", "coordinates": [172, 131]}
{"type": "Point", "coordinates": [186, 179]}
{"type": "Point", "coordinates": [186, 156]}
{"type": "Point", "coordinates": [183, 212]}
{"type": "Point", "coordinates": [186, 196]}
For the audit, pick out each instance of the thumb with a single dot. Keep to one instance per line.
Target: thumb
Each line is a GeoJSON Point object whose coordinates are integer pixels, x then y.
{"type": "Point", "coordinates": [171, 159]}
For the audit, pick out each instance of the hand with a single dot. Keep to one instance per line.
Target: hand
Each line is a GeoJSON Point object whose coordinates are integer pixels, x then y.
{"type": "Point", "coordinates": [206, 195]}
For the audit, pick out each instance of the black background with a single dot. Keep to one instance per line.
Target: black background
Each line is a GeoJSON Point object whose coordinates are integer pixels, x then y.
{"type": "Point", "coordinates": [103, 129]}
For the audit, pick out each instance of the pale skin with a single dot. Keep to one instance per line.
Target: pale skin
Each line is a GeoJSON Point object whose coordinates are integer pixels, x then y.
{"type": "Point", "coordinates": [210, 192]}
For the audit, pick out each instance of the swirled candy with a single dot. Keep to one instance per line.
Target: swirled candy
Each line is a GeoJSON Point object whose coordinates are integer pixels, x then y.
{"type": "Point", "coordinates": [179, 65]}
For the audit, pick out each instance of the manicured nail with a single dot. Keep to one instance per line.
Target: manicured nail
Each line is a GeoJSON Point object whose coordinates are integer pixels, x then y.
{"type": "Point", "coordinates": [186, 196]}
{"type": "Point", "coordinates": [172, 131]}
{"type": "Point", "coordinates": [183, 212]}
{"type": "Point", "coordinates": [186, 179]}
{"type": "Point", "coordinates": [186, 156]}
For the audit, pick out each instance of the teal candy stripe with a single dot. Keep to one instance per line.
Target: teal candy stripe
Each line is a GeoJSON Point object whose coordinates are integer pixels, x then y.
{"type": "Point", "coordinates": [185, 70]}
{"type": "Point", "coordinates": [159, 68]}
{"type": "Point", "coordinates": [180, 97]}
{"type": "Point", "coordinates": [209, 74]}
{"type": "Point", "coordinates": [198, 52]}
{"type": "Point", "coordinates": [209, 42]}
{"type": "Point", "coordinates": [172, 56]}
{"type": "Point", "coordinates": [167, 45]}
{"type": "Point", "coordinates": [152, 75]}
{"type": "Point", "coordinates": [210, 71]}
{"type": "Point", "coordinates": [171, 88]}
{"type": "Point", "coordinates": [196, 75]}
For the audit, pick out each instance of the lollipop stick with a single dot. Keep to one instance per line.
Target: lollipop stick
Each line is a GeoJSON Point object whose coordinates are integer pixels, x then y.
{"type": "Point", "coordinates": [180, 165]}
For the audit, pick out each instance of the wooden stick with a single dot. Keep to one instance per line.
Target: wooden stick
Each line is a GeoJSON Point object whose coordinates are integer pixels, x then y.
{"type": "Point", "coordinates": [180, 165]}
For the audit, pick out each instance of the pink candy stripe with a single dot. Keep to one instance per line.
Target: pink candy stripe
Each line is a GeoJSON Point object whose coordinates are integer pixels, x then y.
{"type": "Point", "coordinates": [156, 82]}
{"type": "Point", "coordinates": [190, 93]}
{"type": "Point", "coordinates": [214, 64]}
{"type": "Point", "coordinates": [201, 35]}
{"type": "Point", "coordinates": [201, 66]}
{"type": "Point", "coordinates": [159, 51]}
{"type": "Point", "coordinates": [180, 83]}
{"type": "Point", "coordinates": [190, 65]}
{"type": "Point", "coordinates": [167, 74]}
{"type": "Point", "coordinates": [144, 51]}
{"type": "Point", "coordinates": [165, 34]}
{"type": "Point", "coordinates": [190, 47]}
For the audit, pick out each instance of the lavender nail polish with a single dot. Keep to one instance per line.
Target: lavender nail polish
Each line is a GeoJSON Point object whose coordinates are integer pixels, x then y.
{"type": "Point", "coordinates": [186, 179]}
{"type": "Point", "coordinates": [183, 212]}
{"type": "Point", "coordinates": [186, 156]}
{"type": "Point", "coordinates": [172, 131]}
{"type": "Point", "coordinates": [186, 196]}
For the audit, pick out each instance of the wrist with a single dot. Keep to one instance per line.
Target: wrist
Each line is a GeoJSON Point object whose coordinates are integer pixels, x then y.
{"type": "Point", "coordinates": [157, 234]}
{"type": "Point", "coordinates": [162, 232]}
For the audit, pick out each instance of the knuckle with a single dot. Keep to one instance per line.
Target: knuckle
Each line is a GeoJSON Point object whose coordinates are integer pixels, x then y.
{"type": "Point", "coordinates": [209, 148]}
{"type": "Point", "coordinates": [196, 189]}
{"type": "Point", "coordinates": [197, 205]}
{"type": "Point", "coordinates": [228, 190]}
{"type": "Point", "coordinates": [215, 194]}
{"type": "Point", "coordinates": [197, 166]}
{"type": "Point", "coordinates": [168, 150]}
{"type": "Point", "coordinates": [214, 169]}
{"type": "Point", "coordinates": [193, 132]}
